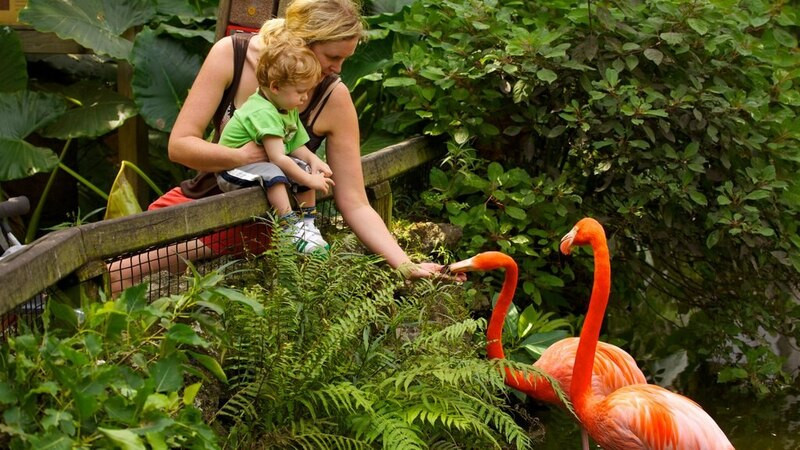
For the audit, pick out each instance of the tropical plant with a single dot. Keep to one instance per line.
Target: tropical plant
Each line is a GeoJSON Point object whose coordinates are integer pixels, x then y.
{"type": "Point", "coordinates": [116, 373]}
{"type": "Point", "coordinates": [346, 356]}
{"type": "Point", "coordinates": [674, 122]}
{"type": "Point", "coordinates": [326, 352]}
{"type": "Point", "coordinates": [165, 57]}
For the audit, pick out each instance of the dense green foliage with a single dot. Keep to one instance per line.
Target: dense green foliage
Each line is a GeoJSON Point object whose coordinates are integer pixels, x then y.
{"type": "Point", "coordinates": [316, 352]}
{"type": "Point", "coordinates": [114, 375]}
{"type": "Point", "coordinates": [76, 100]}
{"type": "Point", "coordinates": [346, 355]}
{"type": "Point", "coordinates": [675, 123]}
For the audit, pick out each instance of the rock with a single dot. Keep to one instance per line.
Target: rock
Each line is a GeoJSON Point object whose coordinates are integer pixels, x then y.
{"type": "Point", "coordinates": [427, 236]}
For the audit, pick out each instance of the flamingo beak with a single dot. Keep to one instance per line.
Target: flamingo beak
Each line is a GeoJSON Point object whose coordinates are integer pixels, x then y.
{"type": "Point", "coordinates": [566, 241]}
{"type": "Point", "coordinates": [461, 266]}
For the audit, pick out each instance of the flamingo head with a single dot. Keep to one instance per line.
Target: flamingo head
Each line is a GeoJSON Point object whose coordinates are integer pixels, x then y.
{"type": "Point", "coordinates": [482, 262]}
{"type": "Point", "coordinates": [583, 233]}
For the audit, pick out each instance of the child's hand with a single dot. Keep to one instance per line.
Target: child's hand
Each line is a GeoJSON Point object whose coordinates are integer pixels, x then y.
{"type": "Point", "coordinates": [319, 182]}
{"type": "Point", "coordinates": [320, 166]}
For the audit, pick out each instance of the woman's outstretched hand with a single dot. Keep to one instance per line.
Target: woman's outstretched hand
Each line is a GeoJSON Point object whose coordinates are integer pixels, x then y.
{"type": "Point", "coordinates": [430, 270]}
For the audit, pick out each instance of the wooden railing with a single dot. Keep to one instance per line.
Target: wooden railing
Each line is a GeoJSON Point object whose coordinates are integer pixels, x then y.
{"type": "Point", "coordinates": [84, 249]}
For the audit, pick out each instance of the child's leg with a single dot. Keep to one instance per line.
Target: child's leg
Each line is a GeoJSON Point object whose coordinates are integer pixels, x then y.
{"type": "Point", "coordinates": [306, 199]}
{"type": "Point", "coordinates": [308, 211]}
{"type": "Point", "coordinates": [278, 197]}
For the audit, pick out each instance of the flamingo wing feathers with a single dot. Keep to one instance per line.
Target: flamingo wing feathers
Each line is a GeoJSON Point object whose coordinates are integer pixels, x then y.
{"type": "Point", "coordinates": [651, 417]}
{"type": "Point", "coordinates": [613, 368]}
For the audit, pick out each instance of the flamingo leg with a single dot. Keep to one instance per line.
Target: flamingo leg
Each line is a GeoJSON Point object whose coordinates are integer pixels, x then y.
{"type": "Point", "coordinates": [584, 439]}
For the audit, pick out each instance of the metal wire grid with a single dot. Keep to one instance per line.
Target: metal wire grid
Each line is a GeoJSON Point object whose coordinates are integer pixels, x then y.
{"type": "Point", "coordinates": [26, 314]}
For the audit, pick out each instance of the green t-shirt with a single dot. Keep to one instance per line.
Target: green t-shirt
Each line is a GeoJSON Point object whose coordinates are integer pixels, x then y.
{"type": "Point", "coordinates": [258, 118]}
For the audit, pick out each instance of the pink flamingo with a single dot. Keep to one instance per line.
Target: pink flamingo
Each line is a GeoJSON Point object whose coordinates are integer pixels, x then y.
{"type": "Point", "coordinates": [642, 416]}
{"type": "Point", "coordinates": [614, 368]}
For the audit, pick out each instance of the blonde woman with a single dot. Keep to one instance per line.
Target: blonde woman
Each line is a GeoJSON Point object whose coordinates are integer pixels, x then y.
{"type": "Point", "coordinates": [331, 29]}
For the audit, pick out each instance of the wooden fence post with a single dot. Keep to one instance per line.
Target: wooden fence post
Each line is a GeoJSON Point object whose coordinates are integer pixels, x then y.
{"type": "Point", "coordinates": [132, 135]}
{"type": "Point", "coordinates": [380, 197]}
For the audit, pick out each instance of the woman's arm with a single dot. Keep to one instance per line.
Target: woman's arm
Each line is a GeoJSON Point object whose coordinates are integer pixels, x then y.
{"type": "Point", "coordinates": [187, 144]}
{"type": "Point", "coordinates": [339, 122]}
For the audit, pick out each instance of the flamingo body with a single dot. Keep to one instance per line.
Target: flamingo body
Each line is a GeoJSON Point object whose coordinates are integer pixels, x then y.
{"type": "Point", "coordinates": [613, 368]}
{"type": "Point", "coordinates": [651, 417]}
{"type": "Point", "coordinates": [634, 417]}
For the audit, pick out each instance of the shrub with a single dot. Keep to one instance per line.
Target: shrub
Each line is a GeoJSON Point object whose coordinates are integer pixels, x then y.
{"type": "Point", "coordinates": [672, 122]}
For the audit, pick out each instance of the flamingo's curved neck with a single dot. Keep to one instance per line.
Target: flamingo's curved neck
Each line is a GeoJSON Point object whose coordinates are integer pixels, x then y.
{"type": "Point", "coordinates": [580, 391]}
{"type": "Point", "coordinates": [494, 334]}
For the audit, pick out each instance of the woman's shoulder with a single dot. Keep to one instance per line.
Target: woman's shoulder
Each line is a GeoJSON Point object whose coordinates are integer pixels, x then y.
{"type": "Point", "coordinates": [221, 50]}
{"type": "Point", "coordinates": [340, 96]}
{"type": "Point", "coordinates": [338, 113]}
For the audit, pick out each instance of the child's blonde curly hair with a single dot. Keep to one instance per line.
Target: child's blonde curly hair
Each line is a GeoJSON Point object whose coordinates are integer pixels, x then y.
{"type": "Point", "coordinates": [286, 60]}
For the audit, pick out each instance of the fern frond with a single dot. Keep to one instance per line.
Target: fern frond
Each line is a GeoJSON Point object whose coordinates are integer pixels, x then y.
{"type": "Point", "coordinates": [240, 406]}
{"type": "Point", "coordinates": [310, 435]}
{"type": "Point", "coordinates": [392, 429]}
{"type": "Point", "coordinates": [337, 398]}
{"type": "Point", "coordinates": [452, 333]}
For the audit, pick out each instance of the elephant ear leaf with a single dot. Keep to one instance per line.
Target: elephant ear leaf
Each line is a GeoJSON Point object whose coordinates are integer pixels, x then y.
{"type": "Point", "coordinates": [94, 24]}
{"type": "Point", "coordinates": [13, 71]}
{"type": "Point", "coordinates": [19, 159]}
{"type": "Point", "coordinates": [23, 112]}
{"type": "Point", "coordinates": [98, 111]}
{"type": "Point", "coordinates": [163, 73]}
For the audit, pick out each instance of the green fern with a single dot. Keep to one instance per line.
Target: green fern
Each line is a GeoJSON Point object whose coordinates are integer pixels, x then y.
{"type": "Point", "coordinates": [347, 355]}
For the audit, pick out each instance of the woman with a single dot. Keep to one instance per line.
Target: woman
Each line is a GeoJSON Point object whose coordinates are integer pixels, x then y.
{"type": "Point", "coordinates": [332, 30]}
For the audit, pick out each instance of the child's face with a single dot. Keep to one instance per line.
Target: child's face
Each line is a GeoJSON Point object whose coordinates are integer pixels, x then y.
{"type": "Point", "coordinates": [291, 96]}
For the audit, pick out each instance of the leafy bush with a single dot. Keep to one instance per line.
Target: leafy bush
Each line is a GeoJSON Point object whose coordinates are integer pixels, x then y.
{"type": "Point", "coordinates": [114, 375]}
{"type": "Point", "coordinates": [317, 352]}
{"type": "Point", "coordinates": [673, 122]}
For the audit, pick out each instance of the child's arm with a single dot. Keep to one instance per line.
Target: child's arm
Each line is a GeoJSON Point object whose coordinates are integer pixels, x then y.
{"type": "Point", "coordinates": [317, 165]}
{"type": "Point", "coordinates": [275, 151]}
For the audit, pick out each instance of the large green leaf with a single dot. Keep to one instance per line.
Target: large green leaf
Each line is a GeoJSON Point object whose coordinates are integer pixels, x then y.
{"type": "Point", "coordinates": [95, 24]}
{"type": "Point", "coordinates": [99, 111]}
{"type": "Point", "coordinates": [19, 159]}
{"type": "Point", "coordinates": [23, 112]}
{"type": "Point", "coordinates": [163, 73]}
{"type": "Point", "coordinates": [185, 12]}
{"type": "Point", "coordinates": [13, 71]}
{"type": "Point", "coordinates": [167, 375]}
{"type": "Point", "coordinates": [125, 439]}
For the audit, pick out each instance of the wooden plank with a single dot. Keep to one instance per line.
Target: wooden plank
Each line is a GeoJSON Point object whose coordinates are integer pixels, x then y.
{"type": "Point", "coordinates": [398, 159]}
{"type": "Point", "coordinates": [37, 42]}
{"type": "Point", "coordinates": [223, 16]}
{"type": "Point", "coordinates": [42, 264]}
{"type": "Point", "coordinates": [380, 197]}
{"type": "Point", "coordinates": [113, 237]}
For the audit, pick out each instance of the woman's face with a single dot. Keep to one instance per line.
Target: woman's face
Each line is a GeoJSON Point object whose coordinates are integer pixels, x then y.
{"type": "Point", "coordinates": [331, 54]}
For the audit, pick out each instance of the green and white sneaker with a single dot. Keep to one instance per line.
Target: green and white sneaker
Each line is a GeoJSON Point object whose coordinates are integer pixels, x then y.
{"type": "Point", "coordinates": [307, 240]}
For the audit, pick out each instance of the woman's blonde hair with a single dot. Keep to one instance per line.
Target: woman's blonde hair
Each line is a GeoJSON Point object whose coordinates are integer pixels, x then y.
{"type": "Point", "coordinates": [286, 60]}
{"type": "Point", "coordinates": [321, 21]}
